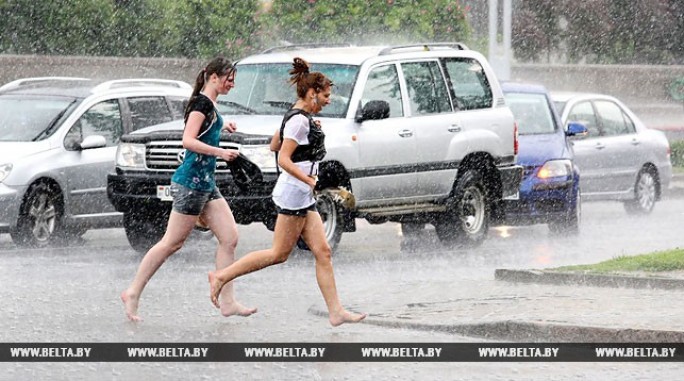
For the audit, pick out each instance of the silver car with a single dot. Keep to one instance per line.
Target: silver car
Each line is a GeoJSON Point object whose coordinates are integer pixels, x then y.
{"type": "Point", "coordinates": [58, 140]}
{"type": "Point", "coordinates": [619, 158]}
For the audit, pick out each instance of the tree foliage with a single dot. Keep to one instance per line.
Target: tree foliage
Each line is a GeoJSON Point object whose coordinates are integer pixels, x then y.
{"type": "Point", "coordinates": [366, 22]}
{"type": "Point", "coordinates": [600, 31]}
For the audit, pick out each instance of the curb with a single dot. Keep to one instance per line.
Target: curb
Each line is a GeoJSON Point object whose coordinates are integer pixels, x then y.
{"type": "Point", "coordinates": [586, 279]}
{"type": "Point", "coordinates": [529, 331]}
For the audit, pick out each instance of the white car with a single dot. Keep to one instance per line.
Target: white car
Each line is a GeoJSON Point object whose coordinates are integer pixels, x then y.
{"type": "Point", "coordinates": [619, 158]}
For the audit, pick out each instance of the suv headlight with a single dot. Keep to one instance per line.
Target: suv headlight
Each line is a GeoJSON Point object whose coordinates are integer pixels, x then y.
{"type": "Point", "coordinates": [130, 155]}
{"type": "Point", "coordinates": [555, 168]}
{"type": "Point", "coordinates": [261, 156]}
{"type": "Point", "coordinates": [5, 170]}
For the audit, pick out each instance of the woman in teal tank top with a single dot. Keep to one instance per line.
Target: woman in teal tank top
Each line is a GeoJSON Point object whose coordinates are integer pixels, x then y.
{"type": "Point", "coordinates": [194, 189]}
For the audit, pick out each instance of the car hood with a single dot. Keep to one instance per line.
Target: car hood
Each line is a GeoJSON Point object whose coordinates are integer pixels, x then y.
{"type": "Point", "coordinates": [11, 151]}
{"type": "Point", "coordinates": [537, 149]}
{"type": "Point", "coordinates": [247, 124]}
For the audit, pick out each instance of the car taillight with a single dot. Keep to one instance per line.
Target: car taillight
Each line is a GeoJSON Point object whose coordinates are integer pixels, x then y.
{"type": "Point", "coordinates": [515, 138]}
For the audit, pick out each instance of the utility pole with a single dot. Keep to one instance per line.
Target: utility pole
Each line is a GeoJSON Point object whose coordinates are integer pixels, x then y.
{"type": "Point", "coordinates": [500, 56]}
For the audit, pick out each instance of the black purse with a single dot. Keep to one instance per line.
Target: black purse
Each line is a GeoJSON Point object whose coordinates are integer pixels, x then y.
{"type": "Point", "coordinates": [245, 172]}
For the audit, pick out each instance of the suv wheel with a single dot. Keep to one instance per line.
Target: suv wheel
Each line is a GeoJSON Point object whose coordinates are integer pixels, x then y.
{"type": "Point", "coordinates": [143, 232]}
{"type": "Point", "coordinates": [467, 221]}
{"type": "Point", "coordinates": [645, 193]}
{"type": "Point", "coordinates": [332, 219]}
{"type": "Point", "coordinates": [40, 217]}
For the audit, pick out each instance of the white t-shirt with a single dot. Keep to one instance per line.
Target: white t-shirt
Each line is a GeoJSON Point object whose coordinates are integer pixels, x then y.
{"type": "Point", "coordinates": [289, 192]}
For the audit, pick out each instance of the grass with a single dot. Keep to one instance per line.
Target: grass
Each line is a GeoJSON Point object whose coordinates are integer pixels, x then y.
{"type": "Point", "coordinates": [670, 260]}
{"type": "Point", "coordinates": [677, 169]}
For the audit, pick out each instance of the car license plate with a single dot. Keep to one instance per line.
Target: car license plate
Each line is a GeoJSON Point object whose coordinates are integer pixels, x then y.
{"type": "Point", "coordinates": [515, 196]}
{"type": "Point", "coordinates": [164, 192]}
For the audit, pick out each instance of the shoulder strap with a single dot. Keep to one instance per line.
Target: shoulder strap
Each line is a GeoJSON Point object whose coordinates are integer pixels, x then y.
{"type": "Point", "coordinates": [288, 115]}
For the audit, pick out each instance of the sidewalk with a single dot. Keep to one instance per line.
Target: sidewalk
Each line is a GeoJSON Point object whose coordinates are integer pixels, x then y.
{"type": "Point", "coordinates": [676, 188]}
{"type": "Point", "coordinates": [509, 308]}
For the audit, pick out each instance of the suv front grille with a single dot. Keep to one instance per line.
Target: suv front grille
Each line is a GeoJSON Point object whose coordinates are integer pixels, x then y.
{"type": "Point", "coordinates": [165, 156]}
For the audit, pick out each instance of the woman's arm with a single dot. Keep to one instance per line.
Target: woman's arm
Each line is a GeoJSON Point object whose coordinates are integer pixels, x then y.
{"type": "Point", "coordinates": [275, 142]}
{"type": "Point", "coordinates": [285, 162]}
{"type": "Point", "coordinates": [192, 143]}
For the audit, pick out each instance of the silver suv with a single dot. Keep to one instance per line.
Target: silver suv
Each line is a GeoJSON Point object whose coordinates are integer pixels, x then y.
{"type": "Point", "coordinates": [58, 139]}
{"type": "Point", "coordinates": [420, 134]}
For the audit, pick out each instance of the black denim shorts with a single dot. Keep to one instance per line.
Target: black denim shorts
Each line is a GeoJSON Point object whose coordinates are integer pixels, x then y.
{"type": "Point", "coordinates": [297, 212]}
{"type": "Point", "coordinates": [191, 201]}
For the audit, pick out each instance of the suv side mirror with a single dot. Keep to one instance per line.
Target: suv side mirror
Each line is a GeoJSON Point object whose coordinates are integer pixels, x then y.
{"type": "Point", "coordinates": [575, 129]}
{"type": "Point", "coordinates": [92, 141]}
{"type": "Point", "coordinates": [373, 110]}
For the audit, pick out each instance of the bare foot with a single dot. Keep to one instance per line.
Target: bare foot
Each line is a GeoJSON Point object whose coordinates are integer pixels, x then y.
{"type": "Point", "coordinates": [344, 316]}
{"type": "Point", "coordinates": [131, 306]}
{"type": "Point", "coordinates": [235, 308]}
{"type": "Point", "coordinates": [214, 289]}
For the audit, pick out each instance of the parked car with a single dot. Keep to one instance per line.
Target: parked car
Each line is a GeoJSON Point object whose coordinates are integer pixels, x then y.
{"type": "Point", "coordinates": [619, 157]}
{"type": "Point", "coordinates": [419, 133]}
{"type": "Point", "coordinates": [58, 139]}
{"type": "Point", "coordinates": [550, 188]}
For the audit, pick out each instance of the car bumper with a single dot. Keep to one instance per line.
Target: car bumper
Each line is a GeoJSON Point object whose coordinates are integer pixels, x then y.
{"type": "Point", "coordinates": [10, 201]}
{"type": "Point", "coordinates": [137, 192]}
{"type": "Point", "coordinates": [541, 202]}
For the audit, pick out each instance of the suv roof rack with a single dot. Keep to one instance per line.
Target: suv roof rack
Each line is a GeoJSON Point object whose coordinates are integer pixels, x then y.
{"type": "Point", "coordinates": [37, 80]}
{"type": "Point", "coordinates": [424, 46]}
{"type": "Point", "coordinates": [303, 46]}
{"type": "Point", "coordinates": [140, 82]}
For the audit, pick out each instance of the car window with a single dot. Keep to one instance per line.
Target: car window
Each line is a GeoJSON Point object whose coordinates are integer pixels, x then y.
{"type": "Point", "coordinates": [427, 91]}
{"type": "Point", "coordinates": [383, 85]}
{"type": "Point", "coordinates": [583, 112]}
{"type": "Point", "coordinates": [614, 121]}
{"type": "Point", "coordinates": [469, 83]}
{"type": "Point", "coordinates": [177, 105]}
{"type": "Point", "coordinates": [532, 113]}
{"type": "Point", "coordinates": [103, 119]}
{"type": "Point", "coordinates": [148, 111]}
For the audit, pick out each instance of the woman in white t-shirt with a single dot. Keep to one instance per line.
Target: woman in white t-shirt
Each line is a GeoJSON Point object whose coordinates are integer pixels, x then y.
{"type": "Point", "coordinates": [300, 142]}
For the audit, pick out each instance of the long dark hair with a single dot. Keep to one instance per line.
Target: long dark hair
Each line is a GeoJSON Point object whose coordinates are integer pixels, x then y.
{"type": "Point", "coordinates": [220, 66]}
{"type": "Point", "coordinates": [305, 80]}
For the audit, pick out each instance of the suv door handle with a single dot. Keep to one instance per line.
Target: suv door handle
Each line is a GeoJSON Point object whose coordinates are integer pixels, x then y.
{"type": "Point", "coordinates": [405, 133]}
{"type": "Point", "coordinates": [599, 146]}
{"type": "Point", "coordinates": [454, 128]}
{"type": "Point", "coordinates": [635, 142]}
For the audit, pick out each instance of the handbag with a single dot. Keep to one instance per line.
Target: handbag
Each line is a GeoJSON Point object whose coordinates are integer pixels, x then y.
{"type": "Point", "coordinates": [245, 172]}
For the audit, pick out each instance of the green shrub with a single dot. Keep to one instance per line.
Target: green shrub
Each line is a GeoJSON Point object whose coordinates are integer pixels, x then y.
{"type": "Point", "coordinates": [677, 153]}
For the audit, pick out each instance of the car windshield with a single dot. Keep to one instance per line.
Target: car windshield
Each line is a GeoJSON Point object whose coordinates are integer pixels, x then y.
{"type": "Point", "coordinates": [29, 118]}
{"type": "Point", "coordinates": [532, 112]}
{"type": "Point", "coordinates": [264, 89]}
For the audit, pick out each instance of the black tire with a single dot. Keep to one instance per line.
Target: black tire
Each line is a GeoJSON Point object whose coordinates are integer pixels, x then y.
{"type": "Point", "coordinates": [40, 217]}
{"type": "Point", "coordinates": [645, 193]}
{"type": "Point", "coordinates": [570, 224]}
{"type": "Point", "coordinates": [143, 231]}
{"type": "Point", "coordinates": [466, 222]}
{"type": "Point", "coordinates": [333, 222]}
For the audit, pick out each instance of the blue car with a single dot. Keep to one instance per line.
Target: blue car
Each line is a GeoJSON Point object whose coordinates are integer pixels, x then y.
{"type": "Point", "coordinates": [550, 188]}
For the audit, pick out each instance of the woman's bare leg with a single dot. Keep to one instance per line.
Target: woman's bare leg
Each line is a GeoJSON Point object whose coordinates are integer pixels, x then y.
{"type": "Point", "coordinates": [177, 230]}
{"type": "Point", "coordinates": [220, 219]}
{"type": "Point", "coordinates": [314, 236]}
{"type": "Point", "coordinates": [287, 231]}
